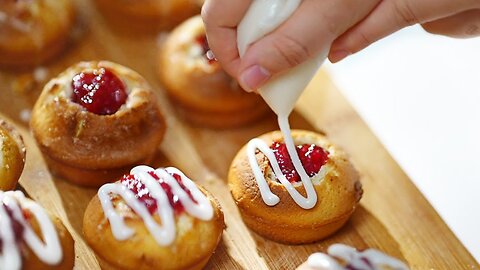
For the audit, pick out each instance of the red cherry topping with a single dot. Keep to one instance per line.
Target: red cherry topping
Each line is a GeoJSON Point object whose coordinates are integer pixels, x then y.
{"type": "Point", "coordinates": [312, 157]}
{"type": "Point", "coordinates": [203, 42]}
{"type": "Point", "coordinates": [100, 92]}
{"type": "Point", "coordinates": [142, 193]}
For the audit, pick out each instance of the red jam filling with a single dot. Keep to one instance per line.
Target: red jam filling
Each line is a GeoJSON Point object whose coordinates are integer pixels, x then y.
{"type": "Point", "coordinates": [364, 260]}
{"type": "Point", "coordinates": [207, 53]}
{"type": "Point", "coordinates": [143, 194]}
{"type": "Point", "coordinates": [16, 226]}
{"type": "Point", "coordinates": [312, 157]}
{"type": "Point", "coordinates": [100, 92]}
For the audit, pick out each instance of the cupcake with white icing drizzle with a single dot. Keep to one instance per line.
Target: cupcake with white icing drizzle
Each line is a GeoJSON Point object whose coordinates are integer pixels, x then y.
{"type": "Point", "coordinates": [343, 257]}
{"type": "Point", "coordinates": [270, 192]}
{"type": "Point", "coordinates": [30, 238]}
{"type": "Point", "coordinates": [33, 31]}
{"type": "Point", "coordinates": [153, 219]}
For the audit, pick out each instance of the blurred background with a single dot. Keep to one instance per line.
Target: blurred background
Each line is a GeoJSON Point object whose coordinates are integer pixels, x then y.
{"type": "Point", "coordinates": [420, 94]}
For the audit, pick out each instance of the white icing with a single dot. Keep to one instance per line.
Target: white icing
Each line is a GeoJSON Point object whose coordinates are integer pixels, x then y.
{"type": "Point", "coordinates": [210, 55]}
{"type": "Point", "coordinates": [47, 248]}
{"type": "Point", "coordinates": [281, 92]}
{"type": "Point", "coordinates": [354, 259]}
{"type": "Point", "coordinates": [267, 195]}
{"type": "Point", "coordinates": [163, 234]}
{"type": "Point", "coordinates": [321, 261]}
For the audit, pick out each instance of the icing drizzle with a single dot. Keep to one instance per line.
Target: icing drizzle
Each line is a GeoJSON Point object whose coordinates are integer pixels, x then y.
{"type": "Point", "coordinates": [370, 259]}
{"type": "Point", "coordinates": [47, 250]}
{"type": "Point", "coordinates": [268, 196]}
{"type": "Point", "coordinates": [281, 92]}
{"type": "Point", "coordinates": [195, 203]}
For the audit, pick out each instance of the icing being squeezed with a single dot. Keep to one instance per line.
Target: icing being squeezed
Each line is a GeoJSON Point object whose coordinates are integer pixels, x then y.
{"type": "Point", "coordinates": [268, 196]}
{"type": "Point", "coordinates": [281, 92]}
{"type": "Point", "coordinates": [14, 227]}
{"type": "Point", "coordinates": [370, 259]}
{"type": "Point", "coordinates": [191, 198]}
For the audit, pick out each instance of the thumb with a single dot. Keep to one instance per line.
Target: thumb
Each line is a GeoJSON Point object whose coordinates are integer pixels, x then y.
{"type": "Point", "coordinates": [310, 30]}
{"type": "Point", "coordinates": [462, 25]}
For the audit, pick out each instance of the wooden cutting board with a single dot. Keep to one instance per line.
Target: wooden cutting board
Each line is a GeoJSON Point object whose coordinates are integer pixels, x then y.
{"type": "Point", "coordinates": [393, 216]}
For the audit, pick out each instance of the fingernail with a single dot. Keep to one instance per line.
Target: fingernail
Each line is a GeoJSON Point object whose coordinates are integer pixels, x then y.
{"type": "Point", "coordinates": [253, 77]}
{"type": "Point", "coordinates": [338, 55]}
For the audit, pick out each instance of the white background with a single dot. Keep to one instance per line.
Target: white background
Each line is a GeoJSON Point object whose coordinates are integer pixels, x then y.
{"type": "Point", "coordinates": [420, 94]}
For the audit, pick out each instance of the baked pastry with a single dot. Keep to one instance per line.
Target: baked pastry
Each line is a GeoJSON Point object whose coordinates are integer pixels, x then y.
{"type": "Point", "coordinates": [95, 120]}
{"type": "Point", "coordinates": [33, 31]}
{"type": "Point", "coordinates": [30, 238]}
{"type": "Point", "coordinates": [204, 93]}
{"type": "Point", "coordinates": [12, 156]}
{"type": "Point", "coordinates": [277, 202]}
{"type": "Point", "coordinates": [147, 15]}
{"type": "Point", "coordinates": [343, 257]}
{"type": "Point", "coordinates": [153, 219]}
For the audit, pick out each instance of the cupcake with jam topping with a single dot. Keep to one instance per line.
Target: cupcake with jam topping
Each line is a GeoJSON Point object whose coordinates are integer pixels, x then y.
{"type": "Point", "coordinates": [33, 31]}
{"type": "Point", "coordinates": [294, 203]}
{"type": "Point", "coordinates": [30, 238]}
{"type": "Point", "coordinates": [95, 120]}
{"type": "Point", "coordinates": [204, 94]}
{"type": "Point", "coordinates": [12, 156]}
{"type": "Point", "coordinates": [160, 216]}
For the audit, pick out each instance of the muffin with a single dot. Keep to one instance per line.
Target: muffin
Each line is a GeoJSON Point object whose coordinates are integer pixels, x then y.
{"type": "Point", "coordinates": [33, 31]}
{"type": "Point", "coordinates": [202, 92]}
{"type": "Point", "coordinates": [161, 217]}
{"type": "Point", "coordinates": [278, 204]}
{"type": "Point", "coordinates": [95, 120]}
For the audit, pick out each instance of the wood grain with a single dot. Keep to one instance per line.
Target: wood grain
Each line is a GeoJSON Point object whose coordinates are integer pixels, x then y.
{"type": "Point", "coordinates": [393, 216]}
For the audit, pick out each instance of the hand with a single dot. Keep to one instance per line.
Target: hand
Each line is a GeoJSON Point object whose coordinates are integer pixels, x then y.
{"type": "Point", "coordinates": [349, 25]}
{"type": "Point", "coordinates": [460, 18]}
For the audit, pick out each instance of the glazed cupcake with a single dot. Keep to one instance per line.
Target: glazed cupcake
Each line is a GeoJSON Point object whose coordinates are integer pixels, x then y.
{"type": "Point", "coordinates": [160, 216]}
{"type": "Point", "coordinates": [95, 120]}
{"type": "Point", "coordinates": [31, 238]}
{"type": "Point", "coordinates": [343, 257]}
{"type": "Point", "coordinates": [288, 203]}
{"type": "Point", "coordinates": [203, 93]}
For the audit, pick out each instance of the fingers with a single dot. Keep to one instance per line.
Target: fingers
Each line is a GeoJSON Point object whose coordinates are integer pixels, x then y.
{"type": "Point", "coordinates": [221, 19]}
{"type": "Point", "coordinates": [463, 25]}
{"type": "Point", "coordinates": [311, 29]}
{"type": "Point", "coordinates": [390, 16]}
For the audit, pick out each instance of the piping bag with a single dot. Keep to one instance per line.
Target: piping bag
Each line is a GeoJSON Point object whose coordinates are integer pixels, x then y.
{"type": "Point", "coordinates": [282, 91]}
